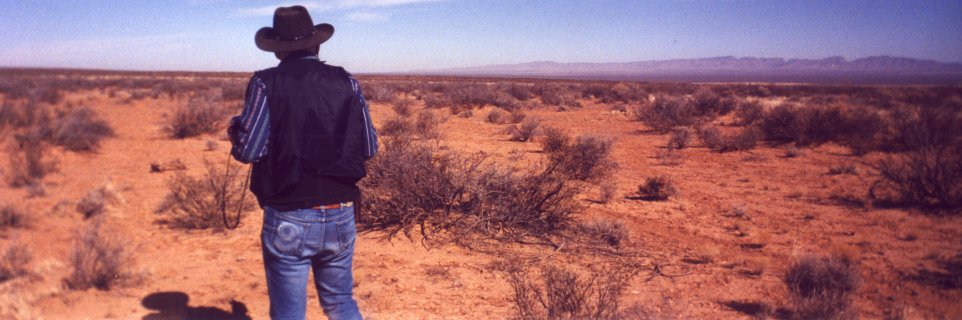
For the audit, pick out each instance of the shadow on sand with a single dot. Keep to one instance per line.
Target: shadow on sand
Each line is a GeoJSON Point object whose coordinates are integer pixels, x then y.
{"type": "Point", "coordinates": [173, 305]}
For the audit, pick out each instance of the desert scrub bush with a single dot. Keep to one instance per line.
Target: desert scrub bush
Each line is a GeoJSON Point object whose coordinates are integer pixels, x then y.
{"type": "Point", "coordinates": [524, 131]}
{"type": "Point", "coordinates": [29, 162]}
{"type": "Point", "coordinates": [929, 173]}
{"type": "Point", "coordinates": [821, 287]}
{"type": "Point", "coordinates": [517, 115]}
{"type": "Point", "coordinates": [12, 217]}
{"type": "Point", "coordinates": [79, 129]}
{"type": "Point", "coordinates": [588, 158]}
{"type": "Point", "coordinates": [748, 112]}
{"type": "Point", "coordinates": [16, 257]}
{"type": "Point", "coordinates": [396, 127]}
{"type": "Point", "coordinates": [608, 231]}
{"type": "Point", "coordinates": [864, 127]}
{"type": "Point", "coordinates": [565, 294]}
{"type": "Point", "coordinates": [666, 112]}
{"type": "Point", "coordinates": [745, 139]}
{"type": "Point", "coordinates": [495, 116]}
{"type": "Point", "coordinates": [402, 106]}
{"type": "Point", "coordinates": [378, 91]}
{"type": "Point", "coordinates": [198, 116]}
{"type": "Point", "coordinates": [198, 203]}
{"type": "Point", "coordinates": [658, 188]}
{"type": "Point", "coordinates": [98, 259]}
{"type": "Point", "coordinates": [426, 125]}
{"type": "Point", "coordinates": [412, 185]}
{"type": "Point", "coordinates": [606, 191]}
{"type": "Point", "coordinates": [805, 126]}
{"type": "Point", "coordinates": [96, 201]}
{"type": "Point", "coordinates": [554, 139]}
{"type": "Point", "coordinates": [679, 138]}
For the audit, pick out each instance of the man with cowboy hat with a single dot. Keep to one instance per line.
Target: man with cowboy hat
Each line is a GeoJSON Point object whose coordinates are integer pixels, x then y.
{"type": "Point", "coordinates": [307, 130]}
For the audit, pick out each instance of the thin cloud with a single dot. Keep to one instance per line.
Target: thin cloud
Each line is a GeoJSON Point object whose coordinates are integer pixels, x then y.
{"type": "Point", "coordinates": [330, 6]}
{"type": "Point", "coordinates": [367, 16]}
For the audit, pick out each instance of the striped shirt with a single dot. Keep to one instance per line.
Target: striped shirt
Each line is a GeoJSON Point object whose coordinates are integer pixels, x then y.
{"type": "Point", "coordinates": [253, 124]}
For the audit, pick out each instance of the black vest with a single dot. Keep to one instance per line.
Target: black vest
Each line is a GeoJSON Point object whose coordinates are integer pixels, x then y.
{"type": "Point", "coordinates": [317, 137]}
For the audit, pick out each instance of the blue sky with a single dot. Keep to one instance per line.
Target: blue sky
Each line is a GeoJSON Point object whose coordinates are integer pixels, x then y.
{"type": "Point", "coordinates": [399, 35]}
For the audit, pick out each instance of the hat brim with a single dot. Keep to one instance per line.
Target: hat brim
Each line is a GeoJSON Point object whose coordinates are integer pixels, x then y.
{"type": "Point", "coordinates": [266, 39]}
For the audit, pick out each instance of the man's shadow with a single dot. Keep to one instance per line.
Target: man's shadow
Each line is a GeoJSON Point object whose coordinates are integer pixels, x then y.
{"type": "Point", "coordinates": [173, 305]}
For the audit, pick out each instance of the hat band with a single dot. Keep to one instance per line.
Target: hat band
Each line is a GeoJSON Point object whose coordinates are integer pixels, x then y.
{"type": "Point", "coordinates": [298, 37]}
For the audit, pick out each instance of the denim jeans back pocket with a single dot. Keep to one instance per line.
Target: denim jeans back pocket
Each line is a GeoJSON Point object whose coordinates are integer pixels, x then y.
{"type": "Point", "coordinates": [346, 231]}
{"type": "Point", "coordinates": [287, 236]}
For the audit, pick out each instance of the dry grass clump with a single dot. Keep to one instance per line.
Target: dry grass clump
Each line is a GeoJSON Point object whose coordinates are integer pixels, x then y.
{"type": "Point", "coordinates": [748, 112]}
{"type": "Point", "coordinates": [525, 131]}
{"type": "Point", "coordinates": [198, 203]}
{"type": "Point", "coordinates": [29, 162]}
{"type": "Point", "coordinates": [426, 125]}
{"type": "Point", "coordinates": [679, 138]}
{"type": "Point", "coordinates": [495, 116]}
{"type": "Point", "coordinates": [712, 137]}
{"type": "Point", "coordinates": [566, 294]}
{"type": "Point", "coordinates": [658, 188]}
{"type": "Point", "coordinates": [198, 116]}
{"type": "Point", "coordinates": [707, 102]}
{"type": "Point", "coordinates": [12, 217]}
{"type": "Point", "coordinates": [412, 185]}
{"type": "Point", "coordinates": [97, 200]}
{"type": "Point", "coordinates": [606, 191]}
{"type": "Point", "coordinates": [611, 232]}
{"type": "Point", "coordinates": [14, 262]}
{"type": "Point", "coordinates": [822, 287]}
{"type": "Point", "coordinates": [98, 260]}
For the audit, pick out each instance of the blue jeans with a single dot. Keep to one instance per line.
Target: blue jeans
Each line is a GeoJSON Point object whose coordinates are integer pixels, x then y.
{"type": "Point", "coordinates": [295, 242]}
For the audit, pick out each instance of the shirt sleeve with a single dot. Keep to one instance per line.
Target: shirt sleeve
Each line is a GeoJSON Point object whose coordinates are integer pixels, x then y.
{"type": "Point", "coordinates": [249, 131]}
{"type": "Point", "coordinates": [370, 135]}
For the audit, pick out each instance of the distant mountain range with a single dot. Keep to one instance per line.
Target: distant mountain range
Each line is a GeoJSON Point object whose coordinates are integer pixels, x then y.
{"type": "Point", "coordinates": [876, 69]}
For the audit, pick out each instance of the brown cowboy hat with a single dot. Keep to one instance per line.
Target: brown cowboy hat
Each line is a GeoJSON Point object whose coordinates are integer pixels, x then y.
{"type": "Point", "coordinates": [293, 30]}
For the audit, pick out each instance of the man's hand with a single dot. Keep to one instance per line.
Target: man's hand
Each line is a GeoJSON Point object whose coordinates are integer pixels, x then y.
{"type": "Point", "coordinates": [232, 131]}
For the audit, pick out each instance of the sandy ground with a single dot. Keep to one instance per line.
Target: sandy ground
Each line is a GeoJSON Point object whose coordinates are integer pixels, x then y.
{"type": "Point", "coordinates": [711, 261]}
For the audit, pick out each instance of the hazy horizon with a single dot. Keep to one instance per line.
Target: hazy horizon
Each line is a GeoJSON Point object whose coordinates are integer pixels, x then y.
{"type": "Point", "coordinates": [382, 36]}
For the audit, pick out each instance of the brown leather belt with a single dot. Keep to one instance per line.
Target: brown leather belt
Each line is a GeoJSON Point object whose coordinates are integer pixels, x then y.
{"type": "Point", "coordinates": [334, 206]}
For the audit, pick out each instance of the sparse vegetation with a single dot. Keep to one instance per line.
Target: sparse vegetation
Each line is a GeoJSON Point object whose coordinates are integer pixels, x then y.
{"type": "Point", "coordinates": [566, 294]}
{"type": "Point", "coordinates": [197, 203]}
{"type": "Point", "coordinates": [667, 112]}
{"type": "Point", "coordinates": [98, 260]}
{"type": "Point", "coordinates": [198, 116]}
{"type": "Point", "coordinates": [12, 217]}
{"type": "Point", "coordinates": [611, 232]}
{"type": "Point", "coordinates": [79, 129]}
{"type": "Point", "coordinates": [712, 137]}
{"type": "Point", "coordinates": [822, 287]}
{"type": "Point", "coordinates": [14, 262]}
{"type": "Point", "coordinates": [586, 159]}
{"type": "Point", "coordinates": [657, 188]}
{"type": "Point", "coordinates": [525, 131]}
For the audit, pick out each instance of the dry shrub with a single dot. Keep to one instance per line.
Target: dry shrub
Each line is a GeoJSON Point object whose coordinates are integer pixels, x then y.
{"type": "Point", "coordinates": [14, 262]}
{"type": "Point", "coordinates": [566, 294]}
{"type": "Point", "coordinates": [822, 287]}
{"type": "Point", "coordinates": [554, 140]}
{"type": "Point", "coordinates": [929, 173]}
{"type": "Point", "coordinates": [679, 138]}
{"type": "Point", "coordinates": [712, 137]}
{"type": "Point", "coordinates": [658, 188]}
{"type": "Point", "coordinates": [587, 159]}
{"type": "Point", "coordinates": [197, 117]}
{"type": "Point", "coordinates": [709, 103]}
{"type": "Point", "coordinates": [519, 91]}
{"type": "Point", "coordinates": [805, 126]}
{"type": "Point", "coordinates": [517, 116]}
{"type": "Point", "coordinates": [666, 112]}
{"type": "Point", "coordinates": [748, 112]}
{"type": "Point", "coordinates": [29, 162]}
{"type": "Point", "coordinates": [426, 125]}
{"type": "Point", "coordinates": [495, 116]}
{"type": "Point", "coordinates": [525, 131]}
{"type": "Point", "coordinates": [12, 217]}
{"type": "Point", "coordinates": [378, 92]}
{"type": "Point", "coordinates": [198, 203]}
{"type": "Point", "coordinates": [79, 129]}
{"type": "Point", "coordinates": [412, 185]}
{"type": "Point", "coordinates": [396, 127]}
{"type": "Point", "coordinates": [608, 231]}
{"type": "Point", "coordinates": [863, 129]}
{"type": "Point", "coordinates": [606, 191]}
{"type": "Point", "coordinates": [97, 200]}
{"type": "Point", "coordinates": [402, 106]}
{"type": "Point", "coordinates": [98, 260]}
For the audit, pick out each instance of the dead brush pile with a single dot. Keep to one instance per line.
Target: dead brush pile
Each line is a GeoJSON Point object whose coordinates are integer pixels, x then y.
{"type": "Point", "coordinates": [412, 185]}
